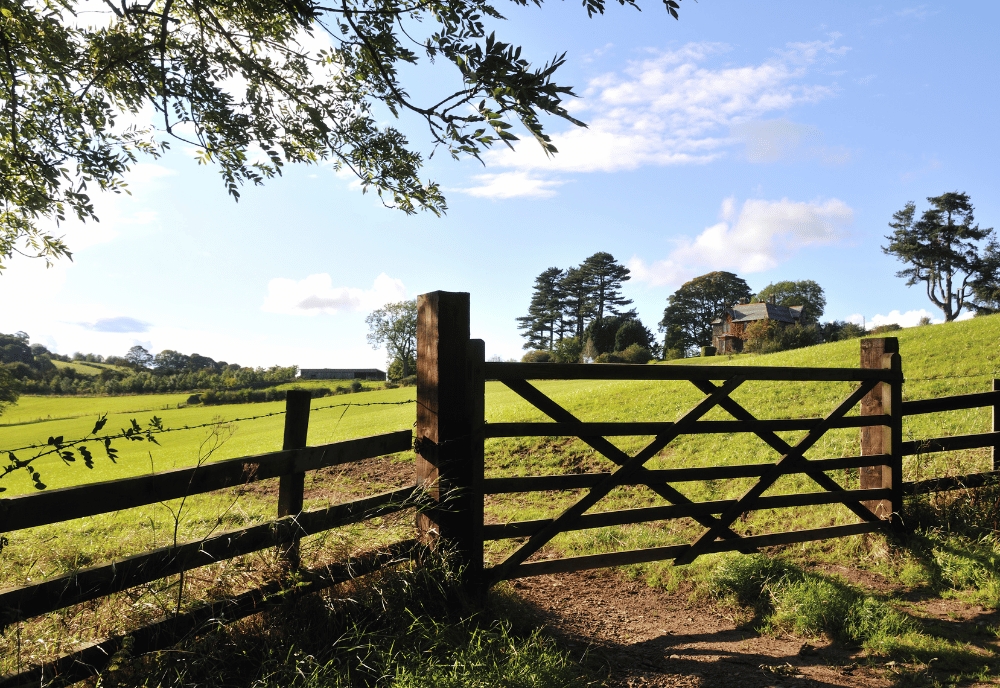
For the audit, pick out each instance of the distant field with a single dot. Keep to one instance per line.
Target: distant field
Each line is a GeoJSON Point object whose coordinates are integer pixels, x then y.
{"type": "Point", "coordinates": [937, 360]}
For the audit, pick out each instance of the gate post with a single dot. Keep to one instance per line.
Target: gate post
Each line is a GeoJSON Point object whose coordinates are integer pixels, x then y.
{"type": "Point", "coordinates": [291, 486]}
{"type": "Point", "coordinates": [449, 432]}
{"type": "Point", "coordinates": [885, 398]}
{"type": "Point", "coordinates": [996, 426]}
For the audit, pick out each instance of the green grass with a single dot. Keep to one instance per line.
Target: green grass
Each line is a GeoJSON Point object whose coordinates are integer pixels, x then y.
{"type": "Point", "coordinates": [938, 360]}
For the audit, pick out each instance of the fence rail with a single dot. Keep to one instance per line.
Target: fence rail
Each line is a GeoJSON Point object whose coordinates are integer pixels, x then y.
{"type": "Point", "coordinates": [450, 484]}
{"type": "Point", "coordinates": [288, 465]}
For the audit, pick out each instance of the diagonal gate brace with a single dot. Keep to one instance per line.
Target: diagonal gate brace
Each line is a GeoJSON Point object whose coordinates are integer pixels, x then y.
{"type": "Point", "coordinates": [557, 413]}
{"type": "Point", "coordinates": [624, 472]}
{"type": "Point", "coordinates": [782, 447]}
{"type": "Point", "coordinates": [790, 460]}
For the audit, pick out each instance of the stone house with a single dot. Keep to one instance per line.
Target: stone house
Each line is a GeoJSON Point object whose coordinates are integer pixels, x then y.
{"type": "Point", "coordinates": [727, 330]}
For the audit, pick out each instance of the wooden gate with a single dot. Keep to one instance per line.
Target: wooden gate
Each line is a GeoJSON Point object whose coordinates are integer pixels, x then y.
{"type": "Point", "coordinates": [451, 430]}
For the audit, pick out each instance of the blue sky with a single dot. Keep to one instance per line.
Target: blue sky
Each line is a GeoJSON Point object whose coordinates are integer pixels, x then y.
{"type": "Point", "coordinates": [773, 139]}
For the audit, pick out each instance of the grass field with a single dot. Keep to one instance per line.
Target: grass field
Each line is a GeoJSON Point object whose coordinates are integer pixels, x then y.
{"type": "Point", "coordinates": [938, 360]}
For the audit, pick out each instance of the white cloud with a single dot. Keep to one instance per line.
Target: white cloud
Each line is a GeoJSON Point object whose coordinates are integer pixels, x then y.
{"type": "Point", "coordinates": [316, 294]}
{"type": "Point", "coordinates": [670, 109]}
{"type": "Point", "coordinates": [511, 185]}
{"type": "Point", "coordinates": [908, 319]}
{"type": "Point", "coordinates": [760, 236]}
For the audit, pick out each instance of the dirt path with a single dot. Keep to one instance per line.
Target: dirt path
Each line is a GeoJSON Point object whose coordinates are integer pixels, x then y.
{"type": "Point", "coordinates": [649, 638]}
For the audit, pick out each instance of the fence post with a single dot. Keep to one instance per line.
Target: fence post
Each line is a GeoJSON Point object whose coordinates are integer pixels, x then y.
{"type": "Point", "coordinates": [996, 426]}
{"type": "Point", "coordinates": [292, 486]}
{"type": "Point", "coordinates": [449, 444]}
{"type": "Point", "coordinates": [884, 398]}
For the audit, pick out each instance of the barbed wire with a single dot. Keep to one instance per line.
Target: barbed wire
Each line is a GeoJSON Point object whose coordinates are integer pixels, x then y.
{"type": "Point", "coordinates": [995, 374]}
{"type": "Point", "coordinates": [126, 434]}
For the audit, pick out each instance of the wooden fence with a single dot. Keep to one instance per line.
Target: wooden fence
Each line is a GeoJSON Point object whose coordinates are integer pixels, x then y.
{"type": "Point", "coordinates": [451, 430]}
{"type": "Point", "coordinates": [289, 465]}
{"type": "Point", "coordinates": [450, 485]}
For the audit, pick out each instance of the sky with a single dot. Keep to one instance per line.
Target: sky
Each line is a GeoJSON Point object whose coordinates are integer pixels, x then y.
{"type": "Point", "coordinates": [772, 139]}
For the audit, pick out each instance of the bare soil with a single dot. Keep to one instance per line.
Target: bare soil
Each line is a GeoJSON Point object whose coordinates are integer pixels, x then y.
{"type": "Point", "coordinates": [644, 637]}
{"type": "Point", "coordinates": [640, 636]}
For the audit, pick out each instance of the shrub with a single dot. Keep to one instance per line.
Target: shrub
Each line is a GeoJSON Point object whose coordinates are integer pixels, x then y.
{"type": "Point", "coordinates": [609, 358]}
{"type": "Point", "coordinates": [632, 332]}
{"type": "Point", "coordinates": [673, 354]}
{"type": "Point", "coordinates": [540, 356]}
{"type": "Point", "coordinates": [636, 353]}
{"type": "Point", "coordinates": [410, 381]}
{"type": "Point", "coordinates": [708, 351]}
{"type": "Point", "coordinates": [356, 386]}
{"type": "Point", "coordinates": [568, 350]}
{"type": "Point", "coordinates": [194, 399]}
{"type": "Point", "coordinates": [883, 329]}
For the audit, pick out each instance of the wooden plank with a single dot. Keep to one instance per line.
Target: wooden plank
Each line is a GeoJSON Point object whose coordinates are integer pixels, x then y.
{"type": "Point", "coordinates": [937, 444]}
{"type": "Point", "coordinates": [784, 464]}
{"type": "Point", "coordinates": [957, 482]}
{"type": "Point", "coordinates": [90, 660]}
{"type": "Point", "coordinates": [28, 601]}
{"type": "Point", "coordinates": [291, 487]}
{"type": "Point", "coordinates": [624, 472]}
{"type": "Point", "coordinates": [54, 506]}
{"type": "Point", "coordinates": [594, 561]}
{"type": "Point", "coordinates": [952, 403]}
{"type": "Point", "coordinates": [655, 428]}
{"type": "Point", "coordinates": [501, 531]}
{"type": "Point", "coordinates": [996, 427]}
{"type": "Point", "coordinates": [652, 478]}
{"type": "Point", "coordinates": [783, 448]}
{"type": "Point", "coordinates": [612, 371]}
{"type": "Point", "coordinates": [556, 412]}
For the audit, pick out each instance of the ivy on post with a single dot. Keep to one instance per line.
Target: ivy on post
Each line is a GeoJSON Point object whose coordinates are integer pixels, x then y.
{"type": "Point", "coordinates": [292, 486]}
{"type": "Point", "coordinates": [449, 434]}
{"type": "Point", "coordinates": [883, 440]}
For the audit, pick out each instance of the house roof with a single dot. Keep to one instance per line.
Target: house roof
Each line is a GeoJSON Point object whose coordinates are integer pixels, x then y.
{"type": "Point", "coordinates": [749, 312]}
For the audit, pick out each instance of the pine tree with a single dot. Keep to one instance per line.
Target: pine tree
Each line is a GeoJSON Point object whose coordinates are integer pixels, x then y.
{"type": "Point", "coordinates": [606, 276]}
{"type": "Point", "coordinates": [545, 316]}
{"type": "Point", "coordinates": [577, 300]}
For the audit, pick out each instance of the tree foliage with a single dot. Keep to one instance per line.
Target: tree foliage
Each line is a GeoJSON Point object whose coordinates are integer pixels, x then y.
{"type": "Point", "coordinates": [394, 325]}
{"type": "Point", "coordinates": [687, 319]}
{"type": "Point", "coordinates": [605, 276]}
{"type": "Point", "coordinates": [946, 251]}
{"type": "Point", "coordinates": [805, 293]}
{"type": "Point", "coordinates": [545, 312]}
{"type": "Point", "coordinates": [233, 76]}
{"type": "Point", "coordinates": [565, 303]}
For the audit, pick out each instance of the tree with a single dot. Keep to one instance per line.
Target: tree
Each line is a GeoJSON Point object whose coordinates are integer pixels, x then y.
{"type": "Point", "coordinates": [545, 314]}
{"type": "Point", "coordinates": [229, 77]}
{"type": "Point", "coordinates": [577, 300]}
{"type": "Point", "coordinates": [9, 388]}
{"type": "Point", "coordinates": [805, 293]}
{"type": "Point", "coordinates": [605, 276]}
{"type": "Point", "coordinates": [395, 326]}
{"type": "Point", "coordinates": [944, 251]}
{"type": "Point", "coordinates": [138, 358]}
{"type": "Point", "coordinates": [687, 319]}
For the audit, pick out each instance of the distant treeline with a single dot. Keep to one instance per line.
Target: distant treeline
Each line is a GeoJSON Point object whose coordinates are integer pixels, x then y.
{"type": "Point", "coordinates": [33, 367]}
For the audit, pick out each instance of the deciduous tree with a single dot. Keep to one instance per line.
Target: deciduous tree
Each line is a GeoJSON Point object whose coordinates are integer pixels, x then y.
{"type": "Point", "coordinates": [805, 293]}
{"type": "Point", "coordinates": [953, 257]}
{"type": "Point", "coordinates": [394, 325]}
{"type": "Point", "coordinates": [687, 319]}
{"type": "Point", "coordinates": [301, 80]}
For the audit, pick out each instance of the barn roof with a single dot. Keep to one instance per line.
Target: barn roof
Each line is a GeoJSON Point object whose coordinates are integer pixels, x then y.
{"type": "Point", "coordinates": [749, 312]}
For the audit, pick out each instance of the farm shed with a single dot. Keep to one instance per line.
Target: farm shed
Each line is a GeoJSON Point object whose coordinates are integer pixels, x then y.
{"type": "Point", "coordinates": [372, 374]}
{"type": "Point", "coordinates": [727, 330]}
